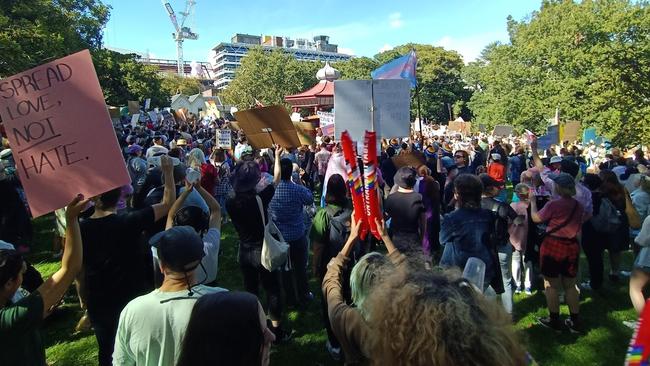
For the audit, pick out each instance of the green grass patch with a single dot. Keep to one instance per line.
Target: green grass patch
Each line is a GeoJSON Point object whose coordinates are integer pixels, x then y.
{"type": "Point", "coordinates": [604, 341]}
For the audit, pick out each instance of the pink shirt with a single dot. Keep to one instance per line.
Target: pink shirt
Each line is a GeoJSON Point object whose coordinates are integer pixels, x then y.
{"type": "Point", "coordinates": [555, 213]}
{"type": "Point", "coordinates": [519, 232]}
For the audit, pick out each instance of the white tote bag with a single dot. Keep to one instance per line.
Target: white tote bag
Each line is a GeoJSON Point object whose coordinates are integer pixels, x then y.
{"type": "Point", "coordinates": [275, 251]}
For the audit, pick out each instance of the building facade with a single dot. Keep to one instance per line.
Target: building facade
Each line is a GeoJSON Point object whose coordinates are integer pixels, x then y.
{"type": "Point", "coordinates": [226, 57]}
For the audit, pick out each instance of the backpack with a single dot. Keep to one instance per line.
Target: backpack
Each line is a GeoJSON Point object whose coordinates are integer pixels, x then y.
{"type": "Point", "coordinates": [608, 219]}
{"type": "Point", "coordinates": [500, 234]}
{"type": "Point", "coordinates": [339, 229]}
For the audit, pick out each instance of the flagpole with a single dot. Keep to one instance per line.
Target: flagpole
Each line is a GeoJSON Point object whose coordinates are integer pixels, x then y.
{"type": "Point", "coordinates": [417, 97]}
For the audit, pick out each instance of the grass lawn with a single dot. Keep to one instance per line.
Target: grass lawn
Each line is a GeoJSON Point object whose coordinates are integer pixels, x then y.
{"type": "Point", "coordinates": [604, 341]}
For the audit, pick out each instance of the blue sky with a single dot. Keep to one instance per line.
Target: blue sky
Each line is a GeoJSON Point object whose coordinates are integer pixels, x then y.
{"type": "Point", "coordinates": [362, 28]}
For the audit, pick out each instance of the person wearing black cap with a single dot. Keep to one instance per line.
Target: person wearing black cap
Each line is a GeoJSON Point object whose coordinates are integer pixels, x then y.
{"type": "Point", "coordinates": [152, 326]}
{"type": "Point", "coordinates": [406, 211]}
{"type": "Point", "coordinates": [504, 215]}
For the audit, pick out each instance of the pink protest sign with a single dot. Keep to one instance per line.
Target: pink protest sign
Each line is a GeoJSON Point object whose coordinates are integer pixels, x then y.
{"type": "Point", "coordinates": [60, 133]}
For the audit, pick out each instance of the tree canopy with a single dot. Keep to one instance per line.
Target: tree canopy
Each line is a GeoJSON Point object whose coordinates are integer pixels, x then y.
{"type": "Point", "coordinates": [269, 77]}
{"type": "Point", "coordinates": [33, 32]}
{"type": "Point", "coordinates": [590, 59]}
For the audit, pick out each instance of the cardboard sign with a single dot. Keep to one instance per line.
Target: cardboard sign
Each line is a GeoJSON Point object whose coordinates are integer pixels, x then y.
{"type": "Point", "coordinates": [306, 132]}
{"type": "Point", "coordinates": [134, 119]}
{"type": "Point", "coordinates": [234, 126]}
{"type": "Point", "coordinates": [266, 126]}
{"type": "Point", "coordinates": [552, 137]}
{"type": "Point", "coordinates": [482, 127]}
{"type": "Point", "coordinates": [413, 159]}
{"type": "Point", "coordinates": [463, 127]}
{"type": "Point", "coordinates": [503, 130]}
{"type": "Point", "coordinates": [373, 105]}
{"type": "Point", "coordinates": [61, 133]}
{"type": "Point", "coordinates": [147, 103]}
{"type": "Point", "coordinates": [326, 123]}
{"type": "Point", "coordinates": [114, 112]}
{"type": "Point", "coordinates": [134, 107]}
{"type": "Point", "coordinates": [153, 116]}
{"type": "Point", "coordinates": [224, 139]}
{"type": "Point", "coordinates": [570, 131]}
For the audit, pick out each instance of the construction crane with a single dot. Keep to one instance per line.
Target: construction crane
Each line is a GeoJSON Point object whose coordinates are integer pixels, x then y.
{"type": "Point", "coordinates": [182, 32]}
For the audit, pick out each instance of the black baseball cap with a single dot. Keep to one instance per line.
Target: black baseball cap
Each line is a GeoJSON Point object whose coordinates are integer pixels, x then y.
{"type": "Point", "coordinates": [180, 248]}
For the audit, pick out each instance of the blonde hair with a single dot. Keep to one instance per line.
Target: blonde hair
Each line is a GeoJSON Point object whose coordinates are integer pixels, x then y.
{"type": "Point", "coordinates": [195, 158]}
{"type": "Point", "coordinates": [420, 317]}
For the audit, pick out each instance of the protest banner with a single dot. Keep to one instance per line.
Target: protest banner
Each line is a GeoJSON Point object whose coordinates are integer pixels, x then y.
{"type": "Point", "coordinates": [570, 131]}
{"type": "Point", "coordinates": [503, 130]}
{"type": "Point", "coordinates": [134, 119]}
{"type": "Point", "coordinates": [153, 116]}
{"type": "Point", "coordinates": [382, 106]}
{"type": "Point", "coordinates": [463, 127]}
{"type": "Point", "coordinates": [60, 133]}
{"type": "Point", "coordinates": [326, 123]}
{"type": "Point", "coordinates": [134, 106]}
{"type": "Point", "coordinates": [224, 139]}
{"type": "Point", "coordinates": [147, 103]}
{"type": "Point", "coordinates": [306, 132]}
{"type": "Point", "coordinates": [552, 137]}
{"type": "Point", "coordinates": [265, 126]}
{"type": "Point", "coordinates": [412, 158]}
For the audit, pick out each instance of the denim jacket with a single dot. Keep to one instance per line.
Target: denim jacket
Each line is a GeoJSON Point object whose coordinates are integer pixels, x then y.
{"type": "Point", "coordinates": [465, 233]}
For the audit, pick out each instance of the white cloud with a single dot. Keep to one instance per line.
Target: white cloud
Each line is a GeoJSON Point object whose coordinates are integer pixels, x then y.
{"type": "Point", "coordinates": [385, 47]}
{"type": "Point", "coordinates": [347, 51]}
{"type": "Point", "coordinates": [395, 20]}
{"type": "Point", "coordinates": [470, 46]}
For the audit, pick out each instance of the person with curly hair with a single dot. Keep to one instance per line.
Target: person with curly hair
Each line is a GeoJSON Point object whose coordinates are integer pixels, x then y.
{"type": "Point", "coordinates": [421, 317]}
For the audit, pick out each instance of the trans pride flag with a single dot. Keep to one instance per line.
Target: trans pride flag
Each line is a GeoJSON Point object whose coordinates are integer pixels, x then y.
{"type": "Point", "coordinates": [400, 68]}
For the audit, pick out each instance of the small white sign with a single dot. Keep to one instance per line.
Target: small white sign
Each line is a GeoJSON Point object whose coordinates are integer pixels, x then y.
{"type": "Point", "coordinates": [224, 139]}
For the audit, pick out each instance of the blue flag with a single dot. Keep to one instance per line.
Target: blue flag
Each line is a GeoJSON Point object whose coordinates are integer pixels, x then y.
{"type": "Point", "coordinates": [400, 68]}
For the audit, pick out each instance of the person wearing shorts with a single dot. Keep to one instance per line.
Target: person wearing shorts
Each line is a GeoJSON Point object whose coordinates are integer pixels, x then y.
{"type": "Point", "coordinates": [560, 252]}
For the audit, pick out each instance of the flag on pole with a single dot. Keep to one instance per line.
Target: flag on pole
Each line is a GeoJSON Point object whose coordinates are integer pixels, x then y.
{"type": "Point", "coordinates": [399, 68]}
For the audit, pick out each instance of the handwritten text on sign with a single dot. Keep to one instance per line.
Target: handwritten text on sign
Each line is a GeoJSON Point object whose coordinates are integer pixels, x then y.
{"type": "Point", "coordinates": [60, 132]}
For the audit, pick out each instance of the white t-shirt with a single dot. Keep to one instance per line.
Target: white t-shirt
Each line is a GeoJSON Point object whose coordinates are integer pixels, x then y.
{"type": "Point", "coordinates": [211, 246]}
{"type": "Point", "coordinates": [150, 333]}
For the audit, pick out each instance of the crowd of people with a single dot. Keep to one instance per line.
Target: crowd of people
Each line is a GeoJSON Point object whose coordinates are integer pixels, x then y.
{"type": "Point", "coordinates": [145, 257]}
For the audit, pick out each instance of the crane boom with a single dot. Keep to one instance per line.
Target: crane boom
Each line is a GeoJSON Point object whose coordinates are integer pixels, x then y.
{"type": "Point", "coordinates": [182, 32]}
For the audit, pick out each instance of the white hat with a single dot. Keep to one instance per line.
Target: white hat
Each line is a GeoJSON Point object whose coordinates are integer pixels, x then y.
{"type": "Point", "coordinates": [5, 153]}
{"type": "Point", "coordinates": [496, 156]}
{"type": "Point", "coordinates": [556, 159]}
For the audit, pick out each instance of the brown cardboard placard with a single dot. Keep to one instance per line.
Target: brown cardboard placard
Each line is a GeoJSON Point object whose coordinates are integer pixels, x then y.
{"type": "Point", "coordinates": [413, 159]}
{"type": "Point", "coordinates": [266, 126]}
{"type": "Point", "coordinates": [134, 107]}
{"type": "Point", "coordinates": [462, 127]}
{"type": "Point", "coordinates": [571, 131]}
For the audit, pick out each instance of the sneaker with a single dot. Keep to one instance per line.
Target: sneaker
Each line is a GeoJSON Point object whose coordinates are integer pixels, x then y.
{"type": "Point", "coordinates": [528, 291]}
{"type": "Point", "coordinates": [573, 327]}
{"type": "Point", "coordinates": [586, 286]}
{"type": "Point", "coordinates": [548, 323]}
{"type": "Point", "coordinates": [630, 324]}
{"type": "Point", "coordinates": [335, 352]}
{"type": "Point", "coordinates": [518, 290]}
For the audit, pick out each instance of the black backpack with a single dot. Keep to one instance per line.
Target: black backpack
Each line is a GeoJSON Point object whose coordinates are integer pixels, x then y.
{"type": "Point", "coordinates": [339, 228]}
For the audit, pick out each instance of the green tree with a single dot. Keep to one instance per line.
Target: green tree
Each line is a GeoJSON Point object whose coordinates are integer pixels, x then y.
{"type": "Point", "coordinates": [35, 31]}
{"type": "Point", "coordinates": [123, 78]}
{"type": "Point", "coordinates": [589, 59]}
{"type": "Point", "coordinates": [269, 77]}
{"type": "Point", "coordinates": [357, 68]}
{"type": "Point", "coordinates": [439, 80]}
{"type": "Point", "coordinates": [174, 84]}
